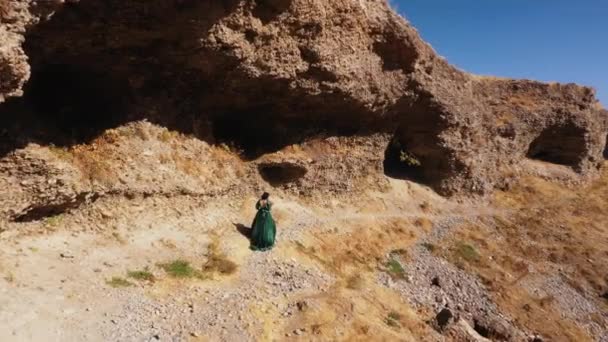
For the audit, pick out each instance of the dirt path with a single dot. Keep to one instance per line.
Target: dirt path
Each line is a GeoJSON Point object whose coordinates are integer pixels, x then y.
{"type": "Point", "coordinates": [56, 283]}
{"type": "Point", "coordinates": [67, 279]}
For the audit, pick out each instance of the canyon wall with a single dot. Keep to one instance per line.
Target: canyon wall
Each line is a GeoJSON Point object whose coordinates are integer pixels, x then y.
{"type": "Point", "coordinates": [261, 75]}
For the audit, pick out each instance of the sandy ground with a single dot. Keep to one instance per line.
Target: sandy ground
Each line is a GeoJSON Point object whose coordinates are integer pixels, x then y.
{"type": "Point", "coordinates": [366, 265]}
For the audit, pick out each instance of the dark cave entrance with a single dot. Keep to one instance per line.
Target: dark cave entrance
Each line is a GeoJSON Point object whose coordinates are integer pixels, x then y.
{"type": "Point", "coordinates": [252, 133]}
{"type": "Point", "coordinates": [417, 152]}
{"type": "Point", "coordinates": [268, 10]}
{"type": "Point", "coordinates": [562, 144]}
{"type": "Point", "coordinates": [258, 131]}
{"type": "Point", "coordinates": [277, 174]}
{"type": "Point", "coordinates": [399, 163]}
{"type": "Point", "coordinates": [77, 102]}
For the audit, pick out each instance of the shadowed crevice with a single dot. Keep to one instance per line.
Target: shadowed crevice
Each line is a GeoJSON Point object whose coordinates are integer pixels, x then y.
{"type": "Point", "coordinates": [277, 174]}
{"type": "Point", "coordinates": [606, 149]}
{"type": "Point", "coordinates": [39, 212]}
{"type": "Point", "coordinates": [562, 144]}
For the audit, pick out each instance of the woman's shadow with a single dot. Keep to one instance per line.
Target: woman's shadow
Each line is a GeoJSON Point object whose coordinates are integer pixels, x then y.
{"type": "Point", "coordinates": [243, 229]}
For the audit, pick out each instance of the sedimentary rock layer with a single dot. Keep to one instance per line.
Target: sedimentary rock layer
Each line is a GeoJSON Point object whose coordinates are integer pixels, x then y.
{"type": "Point", "coordinates": [263, 74]}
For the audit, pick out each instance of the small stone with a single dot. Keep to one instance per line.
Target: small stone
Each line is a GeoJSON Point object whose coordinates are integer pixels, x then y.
{"type": "Point", "coordinates": [194, 334]}
{"type": "Point", "coordinates": [535, 338]}
{"type": "Point", "coordinates": [114, 321]}
{"type": "Point", "coordinates": [443, 318]}
{"type": "Point", "coordinates": [302, 305]}
{"type": "Point", "coordinates": [66, 255]}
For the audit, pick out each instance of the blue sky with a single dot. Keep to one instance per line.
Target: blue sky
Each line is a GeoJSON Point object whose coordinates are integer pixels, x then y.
{"type": "Point", "coordinates": [548, 40]}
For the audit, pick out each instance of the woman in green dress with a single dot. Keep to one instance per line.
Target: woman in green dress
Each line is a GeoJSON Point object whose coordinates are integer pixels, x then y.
{"type": "Point", "coordinates": [263, 227]}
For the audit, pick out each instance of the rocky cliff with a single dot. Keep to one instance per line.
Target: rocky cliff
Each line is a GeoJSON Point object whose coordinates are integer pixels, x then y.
{"type": "Point", "coordinates": [136, 137]}
{"type": "Point", "coordinates": [261, 75]}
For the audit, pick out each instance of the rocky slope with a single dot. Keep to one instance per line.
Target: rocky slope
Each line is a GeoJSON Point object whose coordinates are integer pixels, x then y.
{"type": "Point", "coordinates": [291, 68]}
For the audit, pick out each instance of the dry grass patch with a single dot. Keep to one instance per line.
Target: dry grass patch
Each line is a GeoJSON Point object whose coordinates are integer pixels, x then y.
{"type": "Point", "coordinates": [144, 274]}
{"type": "Point", "coordinates": [463, 251]}
{"type": "Point", "coordinates": [363, 250]}
{"type": "Point", "coordinates": [424, 223]}
{"type": "Point", "coordinates": [355, 282]}
{"type": "Point", "coordinates": [61, 153]}
{"type": "Point", "coordinates": [393, 319]}
{"type": "Point", "coordinates": [117, 282]}
{"type": "Point", "coordinates": [542, 226]}
{"type": "Point", "coordinates": [54, 221]}
{"type": "Point", "coordinates": [217, 262]}
{"type": "Point", "coordinates": [94, 166]}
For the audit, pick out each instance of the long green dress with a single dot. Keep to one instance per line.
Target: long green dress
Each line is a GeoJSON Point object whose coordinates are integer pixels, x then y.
{"type": "Point", "coordinates": [264, 228]}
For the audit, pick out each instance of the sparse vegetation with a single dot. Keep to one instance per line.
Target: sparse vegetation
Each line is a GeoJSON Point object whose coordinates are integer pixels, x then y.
{"type": "Point", "coordinates": [144, 274]}
{"type": "Point", "coordinates": [94, 167]}
{"type": "Point", "coordinates": [167, 135]}
{"type": "Point", "coordinates": [354, 282]}
{"type": "Point", "coordinates": [392, 319]}
{"type": "Point", "coordinates": [466, 252]}
{"type": "Point", "coordinates": [409, 159]}
{"type": "Point", "coordinates": [181, 269]}
{"type": "Point", "coordinates": [117, 282]}
{"type": "Point", "coordinates": [54, 221]}
{"type": "Point", "coordinates": [61, 152]}
{"type": "Point", "coordinates": [217, 262]}
{"type": "Point", "coordinates": [395, 269]}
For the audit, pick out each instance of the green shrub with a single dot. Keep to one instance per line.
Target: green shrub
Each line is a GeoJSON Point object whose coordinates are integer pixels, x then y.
{"type": "Point", "coordinates": [409, 158]}
{"type": "Point", "coordinates": [395, 269]}
{"type": "Point", "coordinates": [181, 269]}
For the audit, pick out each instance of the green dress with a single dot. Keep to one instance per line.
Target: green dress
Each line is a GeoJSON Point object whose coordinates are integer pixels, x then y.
{"type": "Point", "coordinates": [264, 228]}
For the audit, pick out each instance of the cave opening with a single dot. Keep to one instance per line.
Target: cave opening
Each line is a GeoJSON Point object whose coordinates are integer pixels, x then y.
{"type": "Point", "coordinates": [268, 10]}
{"type": "Point", "coordinates": [252, 134]}
{"type": "Point", "coordinates": [562, 144]}
{"type": "Point", "coordinates": [396, 54]}
{"type": "Point", "coordinates": [399, 163]}
{"type": "Point", "coordinates": [277, 174]}
{"type": "Point", "coordinates": [76, 102]}
{"type": "Point", "coordinates": [257, 131]}
{"type": "Point", "coordinates": [417, 152]}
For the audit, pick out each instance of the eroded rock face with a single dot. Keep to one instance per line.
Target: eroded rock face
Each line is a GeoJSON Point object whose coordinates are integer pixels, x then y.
{"type": "Point", "coordinates": [264, 74]}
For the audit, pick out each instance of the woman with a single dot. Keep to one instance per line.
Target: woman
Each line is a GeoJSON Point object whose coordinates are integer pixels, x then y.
{"type": "Point", "coordinates": [263, 226]}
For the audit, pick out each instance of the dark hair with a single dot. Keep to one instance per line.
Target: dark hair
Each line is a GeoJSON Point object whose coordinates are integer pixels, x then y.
{"type": "Point", "coordinates": [265, 196]}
